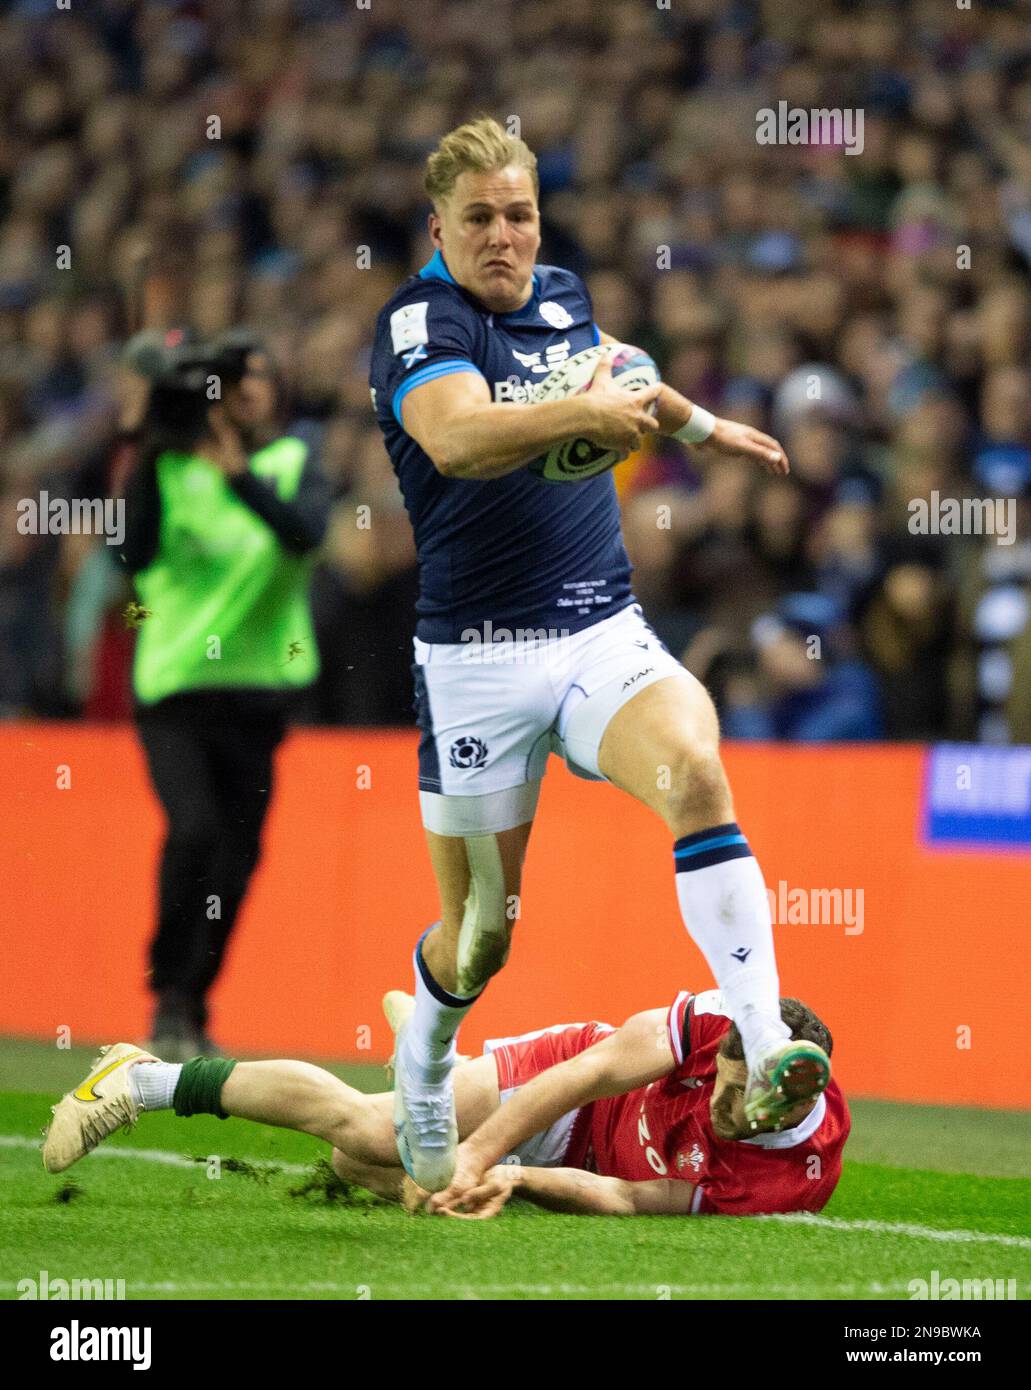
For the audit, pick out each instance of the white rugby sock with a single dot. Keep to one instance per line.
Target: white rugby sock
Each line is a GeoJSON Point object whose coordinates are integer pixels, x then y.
{"type": "Point", "coordinates": [430, 1037]}
{"type": "Point", "coordinates": [153, 1083]}
{"type": "Point", "coordinates": [726, 911]}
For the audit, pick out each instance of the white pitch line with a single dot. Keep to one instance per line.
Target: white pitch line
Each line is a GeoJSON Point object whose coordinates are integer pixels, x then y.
{"type": "Point", "coordinates": [799, 1218]}
{"type": "Point", "coordinates": [170, 1160]}
{"type": "Point", "coordinates": [898, 1228]}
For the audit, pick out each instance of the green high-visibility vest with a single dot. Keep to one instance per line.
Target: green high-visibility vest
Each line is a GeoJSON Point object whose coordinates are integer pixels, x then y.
{"type": "Point", "coordinates": [228, 606]}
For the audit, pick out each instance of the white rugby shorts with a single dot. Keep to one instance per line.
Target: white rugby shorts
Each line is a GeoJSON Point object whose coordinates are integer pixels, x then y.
{"type": "Point", "coordinates": [491, 713]}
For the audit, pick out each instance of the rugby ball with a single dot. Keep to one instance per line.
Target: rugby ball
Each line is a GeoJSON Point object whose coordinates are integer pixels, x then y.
{"type": "Point", "coordinates": [574, 460]}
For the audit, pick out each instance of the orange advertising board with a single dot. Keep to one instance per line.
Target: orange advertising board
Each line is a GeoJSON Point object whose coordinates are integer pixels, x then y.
{"type": "Point", "coordinates": [923, 979]}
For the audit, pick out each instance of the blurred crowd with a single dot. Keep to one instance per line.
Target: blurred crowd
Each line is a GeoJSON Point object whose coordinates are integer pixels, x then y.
{"type": "Point", "coordinates": [259, 163]}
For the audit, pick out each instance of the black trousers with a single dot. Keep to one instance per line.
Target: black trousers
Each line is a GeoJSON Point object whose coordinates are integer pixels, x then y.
{"type": "Point", "coordinates": [210, 755]}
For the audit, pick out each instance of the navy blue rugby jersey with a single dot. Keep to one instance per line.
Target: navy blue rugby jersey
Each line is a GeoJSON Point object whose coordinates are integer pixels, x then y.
{"type": "Point", "coordinates": [515, 551]}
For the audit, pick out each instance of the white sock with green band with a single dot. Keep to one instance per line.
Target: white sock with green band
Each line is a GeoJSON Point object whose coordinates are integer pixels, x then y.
{"type": "Point", "coordinates": [153, 1084]}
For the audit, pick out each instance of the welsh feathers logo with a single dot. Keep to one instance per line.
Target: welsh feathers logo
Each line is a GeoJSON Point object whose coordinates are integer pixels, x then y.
{"type": "Point", "coordinates": [468, 752]}
{"type": "Point", "coordinates": [555, 314]}
{"type": "Point", "coordinates": [694, 1159]}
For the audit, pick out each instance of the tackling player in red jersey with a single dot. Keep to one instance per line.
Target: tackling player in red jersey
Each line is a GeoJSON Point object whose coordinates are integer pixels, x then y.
{"type": "Point", "coordinates": [677, 1142]}
{"type": "Point", "coordinates": [648, 1118]}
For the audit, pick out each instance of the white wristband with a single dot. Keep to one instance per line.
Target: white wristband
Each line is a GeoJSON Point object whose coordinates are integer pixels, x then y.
{"type": "Point", "coordinates": [698, 428]}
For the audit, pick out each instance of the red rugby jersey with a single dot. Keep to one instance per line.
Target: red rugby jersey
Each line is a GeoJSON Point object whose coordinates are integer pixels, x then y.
{"type": "Point", "coordinates": [663, 1130]}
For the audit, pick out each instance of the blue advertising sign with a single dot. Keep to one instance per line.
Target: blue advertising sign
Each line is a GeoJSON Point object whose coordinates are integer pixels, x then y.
{"type": "Point", "coordinates": [978, 795]}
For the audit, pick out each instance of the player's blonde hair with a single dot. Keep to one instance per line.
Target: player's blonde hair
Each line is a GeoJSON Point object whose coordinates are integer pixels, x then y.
{"type": "Point", "coordinates": [481, 146]}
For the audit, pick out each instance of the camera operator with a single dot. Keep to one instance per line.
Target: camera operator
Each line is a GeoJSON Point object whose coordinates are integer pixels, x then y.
{"type": "Point", "coordinates": [223, 520]}
{"type": "Point", "coordinates": [98, 649]}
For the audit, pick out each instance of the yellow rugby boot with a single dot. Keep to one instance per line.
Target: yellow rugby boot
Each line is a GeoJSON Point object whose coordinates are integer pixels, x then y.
{"type": "Point", "coordinates": [99, 1105]}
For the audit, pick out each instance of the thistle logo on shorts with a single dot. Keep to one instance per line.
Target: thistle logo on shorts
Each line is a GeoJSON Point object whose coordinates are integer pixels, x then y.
{"type": "Point", "coordinates": [468, 752]}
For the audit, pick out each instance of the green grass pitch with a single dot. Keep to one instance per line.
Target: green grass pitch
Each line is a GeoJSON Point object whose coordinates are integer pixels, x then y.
{"type": "Point", "coordinates": [924, 1189]}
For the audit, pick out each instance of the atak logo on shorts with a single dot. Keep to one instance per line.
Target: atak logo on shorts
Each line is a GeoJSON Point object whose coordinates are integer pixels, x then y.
{"type": "Point", "coordinates": [468, 752]}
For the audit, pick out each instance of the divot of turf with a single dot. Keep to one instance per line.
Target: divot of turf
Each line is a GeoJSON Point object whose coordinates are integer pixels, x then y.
{"type": "Point", "coordinates": [256, 1172]}
{"type": "Point", "coordinates": [322, 1184]}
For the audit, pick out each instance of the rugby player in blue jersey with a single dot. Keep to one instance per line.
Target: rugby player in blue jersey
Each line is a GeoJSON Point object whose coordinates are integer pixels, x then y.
{"type": "Point", "coordinates": [529, 639]}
